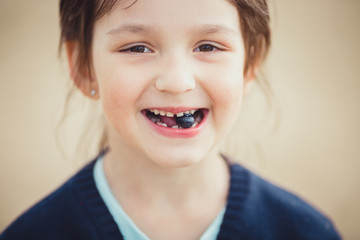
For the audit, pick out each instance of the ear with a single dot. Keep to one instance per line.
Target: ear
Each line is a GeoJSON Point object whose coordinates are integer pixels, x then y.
{"type": "Point", "coordinates": [81, 76]}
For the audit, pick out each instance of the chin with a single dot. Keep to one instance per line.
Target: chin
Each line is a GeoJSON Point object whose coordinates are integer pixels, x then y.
{"type": "Point", "coordinates": [177, 159]}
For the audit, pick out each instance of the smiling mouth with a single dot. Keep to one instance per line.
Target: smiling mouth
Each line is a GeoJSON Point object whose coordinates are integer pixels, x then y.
{"type": "Point", "coordinates": [180, 120]}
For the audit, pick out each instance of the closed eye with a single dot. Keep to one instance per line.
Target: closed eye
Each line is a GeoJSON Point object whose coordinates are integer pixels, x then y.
{"type": "Point", "coordinates": [136, 49]}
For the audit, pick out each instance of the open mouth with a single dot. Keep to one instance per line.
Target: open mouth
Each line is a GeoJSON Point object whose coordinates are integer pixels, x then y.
{"type": "Point", "coordinates": [180, 120]}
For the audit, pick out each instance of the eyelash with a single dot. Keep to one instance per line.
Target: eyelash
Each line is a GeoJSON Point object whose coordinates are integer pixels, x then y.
{"type": "Point", "coordinates": [143, 49]}
{"type": "Point", "coordinates": [208, 48]}
{"type": "Point", "coordinates": [135, 49]}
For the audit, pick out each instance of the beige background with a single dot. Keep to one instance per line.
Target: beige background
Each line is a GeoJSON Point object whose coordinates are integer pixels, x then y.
{"type": "Point", "coordinates": [313, 68]}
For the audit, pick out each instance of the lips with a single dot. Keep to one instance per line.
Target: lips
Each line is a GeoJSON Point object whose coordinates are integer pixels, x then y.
{"type": "Point", "coordinates": [177, 122]}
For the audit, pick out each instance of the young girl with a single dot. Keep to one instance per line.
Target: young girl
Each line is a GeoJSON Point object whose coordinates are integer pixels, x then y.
{"type": "Point", "coordinates": [170, 76]}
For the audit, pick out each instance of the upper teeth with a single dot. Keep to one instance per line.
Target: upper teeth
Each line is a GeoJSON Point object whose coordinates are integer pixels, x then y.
{"type": "Point", "coordinates": [170, 114]}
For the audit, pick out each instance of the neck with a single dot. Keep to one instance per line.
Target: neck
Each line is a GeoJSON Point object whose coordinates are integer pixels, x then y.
{"type": "Point", "coordinates": [140, 179]}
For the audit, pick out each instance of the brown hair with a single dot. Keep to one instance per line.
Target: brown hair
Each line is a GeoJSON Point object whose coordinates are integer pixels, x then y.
{"type": "Point", "coordinates": [77, 19]}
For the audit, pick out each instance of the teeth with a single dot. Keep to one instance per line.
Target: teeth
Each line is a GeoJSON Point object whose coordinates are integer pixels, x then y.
{"type": "Point", "coordinates": [161, 124]}
{"type": "Point", "coordinates": [169, 114]}
{"type": "Point", "coordinates": [158, 121]}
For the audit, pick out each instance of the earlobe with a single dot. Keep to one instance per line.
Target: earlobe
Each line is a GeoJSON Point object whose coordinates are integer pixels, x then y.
{"type": "Point", "coordinates": [80, 76]}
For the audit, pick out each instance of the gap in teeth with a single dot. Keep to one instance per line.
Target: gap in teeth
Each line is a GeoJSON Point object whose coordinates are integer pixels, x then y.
{"type": "Point", "coordinates": [169, 114]}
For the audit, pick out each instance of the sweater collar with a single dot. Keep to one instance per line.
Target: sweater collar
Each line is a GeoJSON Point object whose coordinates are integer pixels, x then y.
{"type": "Point", "coordinates": [90, 199]}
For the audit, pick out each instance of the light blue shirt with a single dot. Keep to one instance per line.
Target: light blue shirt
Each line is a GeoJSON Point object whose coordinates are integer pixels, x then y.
{"type": "Point", "coordinates": [127, 227]}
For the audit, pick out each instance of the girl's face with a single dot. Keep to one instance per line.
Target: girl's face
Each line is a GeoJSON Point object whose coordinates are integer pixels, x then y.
{"type": "Point", "coordinates": [169, 57]}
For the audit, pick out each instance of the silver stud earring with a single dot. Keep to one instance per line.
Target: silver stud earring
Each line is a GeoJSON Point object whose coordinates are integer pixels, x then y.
{"type": "Point", "coordinates": [93, 92]}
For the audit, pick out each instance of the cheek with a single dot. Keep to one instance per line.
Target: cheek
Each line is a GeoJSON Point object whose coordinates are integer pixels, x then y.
{"type": "Point", "coordinates": [225, 87]}
{"type": "Point", "coordinates": [225, 83]}
{"type": "Point", "coordinates": [119, 91]}
{"type": "Point", "coordinates": [118, 85]}
{"type": "Point", "coordinates": [228, 100]}
{"type": "Point", "coordinates": [229, 90]}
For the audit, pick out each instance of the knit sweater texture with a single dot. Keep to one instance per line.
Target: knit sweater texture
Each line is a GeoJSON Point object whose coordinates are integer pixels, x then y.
{"type": "Point", "coordinates": [256, 209]}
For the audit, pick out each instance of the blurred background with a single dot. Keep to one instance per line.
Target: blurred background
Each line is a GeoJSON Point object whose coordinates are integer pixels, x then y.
{"type": "Point", "coordinates": [308, 142]}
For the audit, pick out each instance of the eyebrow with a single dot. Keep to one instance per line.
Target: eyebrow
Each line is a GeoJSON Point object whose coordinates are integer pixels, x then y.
{"type": "Point", "coordinates": [131, 28]}
{"type": "Point", "coordinates": [214, 28]}
{"type": "Point", "coordinates": [202, 29]}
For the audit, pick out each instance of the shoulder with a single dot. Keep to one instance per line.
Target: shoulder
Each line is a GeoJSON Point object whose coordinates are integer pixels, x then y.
{"type": "Point", "coordinates": [281, 213]}
{"type": "Point", "coordinates": [60, 215]}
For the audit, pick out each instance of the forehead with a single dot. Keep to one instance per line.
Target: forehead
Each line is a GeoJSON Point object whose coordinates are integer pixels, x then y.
{"type": "Point", "coordinates": [134, 15]}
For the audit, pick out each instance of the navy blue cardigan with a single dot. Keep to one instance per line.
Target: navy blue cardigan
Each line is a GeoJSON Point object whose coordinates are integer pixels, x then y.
{"type": "Point", "coordinates": [255, 209]}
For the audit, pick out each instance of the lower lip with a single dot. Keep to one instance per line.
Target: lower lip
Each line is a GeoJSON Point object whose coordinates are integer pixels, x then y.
{"type": "Point", "coordinates": [179, 132]}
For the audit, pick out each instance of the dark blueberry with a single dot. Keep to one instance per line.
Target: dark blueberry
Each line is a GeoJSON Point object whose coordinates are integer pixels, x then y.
{"type": "Point", "coordinates": [185, 121]}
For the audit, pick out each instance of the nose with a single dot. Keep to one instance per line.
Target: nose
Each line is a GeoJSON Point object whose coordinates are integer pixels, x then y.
{"type": "Point", "coordinates": [175, 76]}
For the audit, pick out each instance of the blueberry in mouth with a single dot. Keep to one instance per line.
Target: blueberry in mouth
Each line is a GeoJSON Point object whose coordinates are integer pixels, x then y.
{"type": "Point", "coordinates": [187, 119]}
